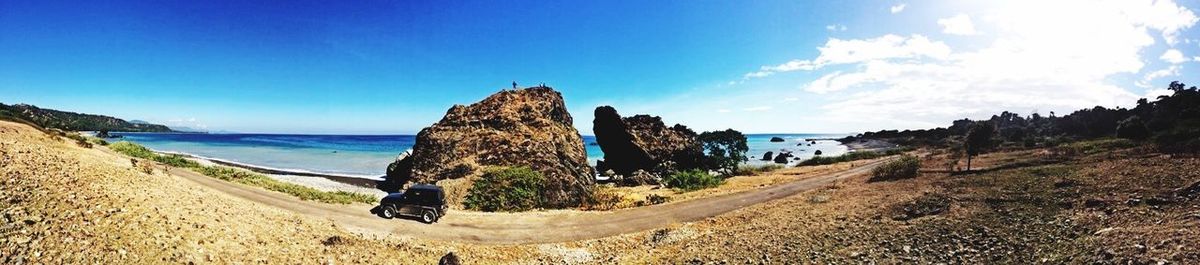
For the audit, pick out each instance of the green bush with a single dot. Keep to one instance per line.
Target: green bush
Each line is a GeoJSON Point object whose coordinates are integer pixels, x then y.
{"type": "Point", "coordinates": [751, 170]}
{"type": "Point", "coordinates": [132, 149]}
{"type": "Point", "coordinates": [691, 180]}
{"type": "Point", "coordinates": [847, 157]}
{"type": "Point", "coordinates": [904, 167]}
{"type": "Point", "coordinates": [506, 189]}
{"type": "Point", "coordinates": [98, 141]}
{"type": "Point", "coordinates": [1091, 147]}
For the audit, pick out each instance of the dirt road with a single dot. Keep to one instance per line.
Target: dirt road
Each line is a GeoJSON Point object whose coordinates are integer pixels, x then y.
{"type": "Point", "coordinates": [521, 228]}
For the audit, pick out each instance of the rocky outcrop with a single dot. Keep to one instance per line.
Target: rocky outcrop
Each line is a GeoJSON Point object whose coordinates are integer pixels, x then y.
{"type": "Point", "coordinates": [526, 127]}
{"type": "Point", "coordinates": [643, 142]}
{"type": "Point", "coordinates": [782, 158]}
{"type": "Point", "coordinates": [776, 139]}
{"type": "Point", "coordinates": [767, 156]}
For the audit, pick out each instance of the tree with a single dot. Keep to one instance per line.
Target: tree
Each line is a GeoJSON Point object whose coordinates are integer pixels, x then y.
{"type": "Point", "coordinates": [979, 139]}
{"type": "Point", "coordinates": [1132, 128]}
{"type": "Point", "coordinates": [724, 150]}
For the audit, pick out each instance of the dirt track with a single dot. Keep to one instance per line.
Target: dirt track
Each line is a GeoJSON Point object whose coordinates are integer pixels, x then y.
{"type": "Point", "coordinates": [519, 228]}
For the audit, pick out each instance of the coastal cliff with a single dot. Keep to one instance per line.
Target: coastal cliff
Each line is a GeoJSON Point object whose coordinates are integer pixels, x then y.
{"type": "Point", "coordinates": [643, 142]}
{"type": "Point", "coordinates": [526, 127]}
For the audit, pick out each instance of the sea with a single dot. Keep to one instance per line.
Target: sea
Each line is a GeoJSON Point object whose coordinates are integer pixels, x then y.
{"type": "Point", "coordinates": [367, 156]}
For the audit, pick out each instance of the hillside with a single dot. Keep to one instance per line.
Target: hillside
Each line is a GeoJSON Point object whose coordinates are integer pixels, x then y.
{"type": "Point", "coordinates": [71, 121]}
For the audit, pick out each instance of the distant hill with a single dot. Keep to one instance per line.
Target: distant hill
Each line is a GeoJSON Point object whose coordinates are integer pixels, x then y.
{"type": "Point", "coordinates": [72, 121]}
{"type": "Point", "coordinates": [186, 129]}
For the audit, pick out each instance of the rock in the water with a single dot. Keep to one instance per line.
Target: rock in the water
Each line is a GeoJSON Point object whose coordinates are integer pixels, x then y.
{"type": "Point", "coordinates": [782, 158]}
{"type": "Point", "coordinates": [776, 139]}
{"type": "Point", "coordinates": [768, 155]}
{"type": "Point", "coordinates": [644, 142]}
{"type": "Point", "coordinates": [818, 152]}
{"type": "Point", "coordinates": [526, 127]}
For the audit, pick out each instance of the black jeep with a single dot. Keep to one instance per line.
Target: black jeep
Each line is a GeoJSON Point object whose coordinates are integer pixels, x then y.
{"type": "Point", "coordinates": [426, 202]}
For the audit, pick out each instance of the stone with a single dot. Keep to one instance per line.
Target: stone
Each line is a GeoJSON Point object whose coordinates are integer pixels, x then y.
{"type": "Point", "coordinates": [782, 158]}
{"type": "Point", "coordinates": [776, 139]}
{"type": "Point", "coordinates": [449, 259]}
{"type": "Point", "coordinates": [644, 142]}
{"type": "Point", "coordinates": [641, 177]}
{"type": "Point", "coordinates": [512, 128]}
{"type": "Point", "coordinates": [768, 155]}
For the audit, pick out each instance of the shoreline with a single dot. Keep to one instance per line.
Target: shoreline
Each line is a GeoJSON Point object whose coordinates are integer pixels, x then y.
{"type": "Point", "coordinates": [288, 174]}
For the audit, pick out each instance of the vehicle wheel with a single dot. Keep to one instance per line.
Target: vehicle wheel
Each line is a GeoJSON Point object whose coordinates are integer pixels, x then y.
{"type": "Point", "coordinates": [388, 212]}
{"type": "Point", "coordinates": [428, 217]}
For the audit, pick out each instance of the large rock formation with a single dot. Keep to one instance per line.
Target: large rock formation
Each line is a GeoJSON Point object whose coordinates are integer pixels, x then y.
{"type": "Point", "coordinates": [643, 142]}
{"type": "Point", "coordinates": [527, 127]}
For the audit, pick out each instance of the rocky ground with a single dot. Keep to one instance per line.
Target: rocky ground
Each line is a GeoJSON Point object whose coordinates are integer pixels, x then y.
{"type": "Point", "coordinates": [1124, 206]}
{"type": "Point", "coordinates": [65, 204]}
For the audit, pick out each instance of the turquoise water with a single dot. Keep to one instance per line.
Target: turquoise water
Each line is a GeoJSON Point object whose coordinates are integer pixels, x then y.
{"type": "Point", "coordinates": [368, 155]}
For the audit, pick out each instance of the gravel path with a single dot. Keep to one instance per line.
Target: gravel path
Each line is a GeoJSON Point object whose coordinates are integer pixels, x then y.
{"type": "Point", "coordinates": [523, 228]}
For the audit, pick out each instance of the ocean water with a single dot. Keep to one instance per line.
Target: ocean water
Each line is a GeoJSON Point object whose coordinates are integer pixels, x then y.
{"type": "Point", "coordinates": [367, 156]}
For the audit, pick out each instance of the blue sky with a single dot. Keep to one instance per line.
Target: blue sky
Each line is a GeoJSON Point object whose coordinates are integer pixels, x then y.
{"type": "Point", "coordinates": [367, 67]}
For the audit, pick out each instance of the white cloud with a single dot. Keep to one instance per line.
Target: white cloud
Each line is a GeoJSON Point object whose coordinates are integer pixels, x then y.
{"type": "Point", "coordinates": [1040, 59]}
{"type": "Point", "coordinates": [1147, 79]}
{"type": "Point", "coordinates": [835, 27]}
{"type": "Point", "coordinates": [837, 51]}
{"type": "Point", "coordinates": [723, 111]}
{"type": "Point", "coordinates": [958, 25]}
{"type": "Point", "coordinates": [899, 8]}
{"type": "Point", "coordinates": [1173, 56]}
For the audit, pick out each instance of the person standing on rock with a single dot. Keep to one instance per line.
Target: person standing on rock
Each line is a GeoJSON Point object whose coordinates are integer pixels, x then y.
{"type": "Point", "coordinates": [514, 84]}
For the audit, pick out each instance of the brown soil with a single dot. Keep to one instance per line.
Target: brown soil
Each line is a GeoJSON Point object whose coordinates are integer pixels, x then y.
{"type": "Point", "coordinates": [66, 204]}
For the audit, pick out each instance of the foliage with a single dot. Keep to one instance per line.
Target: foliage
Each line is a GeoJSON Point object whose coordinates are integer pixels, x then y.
{"type": "Point", "coordinates": [847, 157]}
{"type": "Point", "coordinates": [98, 141]}
{"type": "Point", "coordinates": [691, 180]}
{"type": "Point", "coordinates": [1171, 121]}
{"type": "Point", "coordinates": [506, 189]}
{"type": "Point", "coordinates": [724, 150]}
{"type": "Point", "coordinates": [238, 176]}
{"type": "Point", "coordinates": [176, 161]}
{"type": "Point", "coordinates": [904, 167]}
{"type": "Point", "coordinates": [80, 140]}
{"type": "Point", "coordinates": [1091, 147]}
{"type": "Point", "coordinates": [978, 140]}
{"type": "Point", "coordinates": [1132, 128]}
{"type": "Point", "coordinates": [72, 121]}
{"type": "Point", "coordinates": [751, 170]}
{"type": "Point", "coordinates": [132, 149]}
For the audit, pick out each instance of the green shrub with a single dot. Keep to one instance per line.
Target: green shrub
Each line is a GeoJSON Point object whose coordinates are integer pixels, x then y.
{"type": "Point", "coordinates": [691, 180]}
{"type": "Point", "coordinates": [1096, 146]}
{"type": "Point", "coordinates": [904, 167]}
{"type": "Point", "coordinates": [98, 141]}
{"type": "Point", "coordinates": [176, 161]}
{"type": "Point", "coordinates": [132, 149]}
{"type": "Point", "coordinates": [847, 157]}
{"type": "Point", "coordinates": [506, 189]}
{"type": "Point", "coordinates": [751, 170]}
